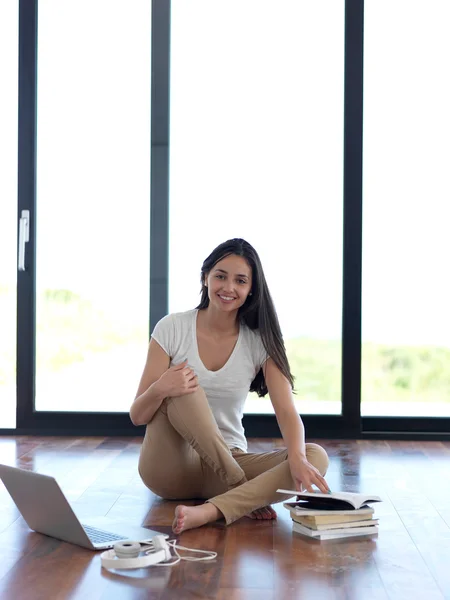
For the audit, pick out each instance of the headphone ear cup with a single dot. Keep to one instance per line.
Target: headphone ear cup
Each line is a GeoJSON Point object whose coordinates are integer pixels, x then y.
{"type": "Point", "coordinates": [127, 549]}
{"type": "Point", "coordinates": [111, 560]}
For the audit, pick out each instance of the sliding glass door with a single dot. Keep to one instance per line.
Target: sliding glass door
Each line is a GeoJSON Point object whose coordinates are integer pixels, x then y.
{"type": "Point", "coordinates": [8, 210]}
{"type": "Point", "coordinates": [256, 151]}
{"type": "Point", "coordinates": [265, 106]}
{"type": "Point", "coordinates": [406, 289]}
{"type": "Point", "coordinates": [84, 186]}
{"type": "Point", "coordinates": [92, 203]}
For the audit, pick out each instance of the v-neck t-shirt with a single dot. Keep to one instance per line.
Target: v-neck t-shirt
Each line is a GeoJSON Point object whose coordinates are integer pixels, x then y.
{"type": "Point", "coordinates": [225, 389]}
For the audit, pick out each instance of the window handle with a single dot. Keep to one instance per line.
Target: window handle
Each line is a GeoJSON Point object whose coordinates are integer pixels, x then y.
{"type": "Point", "coordinates": [24, 237]}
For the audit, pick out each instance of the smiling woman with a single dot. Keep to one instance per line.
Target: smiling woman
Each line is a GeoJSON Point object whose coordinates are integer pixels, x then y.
{"type": "Point", "coordinates": [228, 285]}
{"type": "Point", "coordinates": [193, 407]}
{"type": "Point", "coordinates": [218, 331]}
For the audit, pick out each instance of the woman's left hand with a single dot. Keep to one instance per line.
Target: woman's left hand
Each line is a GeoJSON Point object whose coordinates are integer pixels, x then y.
{"type": "Point", "coordinates": [305, 474]}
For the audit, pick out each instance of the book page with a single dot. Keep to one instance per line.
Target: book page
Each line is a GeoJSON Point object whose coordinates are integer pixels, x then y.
{"type": "Point", "coordinates": [353, 499]}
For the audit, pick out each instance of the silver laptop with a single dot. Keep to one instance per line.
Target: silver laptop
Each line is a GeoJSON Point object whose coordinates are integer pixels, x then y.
{"type": "Point", "coordinates": [46, 510]}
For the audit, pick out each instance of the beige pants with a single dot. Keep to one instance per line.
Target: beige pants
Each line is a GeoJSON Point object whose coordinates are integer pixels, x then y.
{"type": "Point", "coordinates": [184, 456]}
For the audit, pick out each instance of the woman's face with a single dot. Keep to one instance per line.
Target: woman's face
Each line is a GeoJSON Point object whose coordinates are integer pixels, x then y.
{"type": "Point", "coordinates": [229, 282]}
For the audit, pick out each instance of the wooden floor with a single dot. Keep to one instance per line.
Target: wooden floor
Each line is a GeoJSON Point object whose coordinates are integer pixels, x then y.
{"type": "Point", "coordinates": [257, 560]}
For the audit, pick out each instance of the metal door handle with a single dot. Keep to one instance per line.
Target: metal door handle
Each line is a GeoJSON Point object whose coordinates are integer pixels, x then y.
{"type": "Point", "coordinates": [24, 237]}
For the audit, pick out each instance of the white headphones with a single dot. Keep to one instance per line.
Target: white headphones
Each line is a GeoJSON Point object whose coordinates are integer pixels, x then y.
{"type": "Point", "coordinates": [126, 555]}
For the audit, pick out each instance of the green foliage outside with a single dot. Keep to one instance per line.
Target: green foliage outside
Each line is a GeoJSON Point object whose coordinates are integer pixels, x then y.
{"type": "Point", "coordinates": [405, 373]}
{"type": "Point", "coordinates": [316, 366]}
{"type": "Point", "coordinates": [68, 330]}
{"type": "Point", "coordinates": [71, 328]}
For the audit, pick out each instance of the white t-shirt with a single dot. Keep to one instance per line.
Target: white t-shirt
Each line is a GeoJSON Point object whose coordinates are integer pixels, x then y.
{"type": "Point", "coordinates": [225, 389]}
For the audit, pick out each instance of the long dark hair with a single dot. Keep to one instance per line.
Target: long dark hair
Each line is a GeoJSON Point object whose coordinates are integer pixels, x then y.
{"type": "Point", "coordinates": [258, 311]}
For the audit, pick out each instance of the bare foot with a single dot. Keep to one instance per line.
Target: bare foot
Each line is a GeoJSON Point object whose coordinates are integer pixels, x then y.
{"type": "Point", "coordinates": [265, 513]}
{"type": "Point", "coordinates": [189, 517]}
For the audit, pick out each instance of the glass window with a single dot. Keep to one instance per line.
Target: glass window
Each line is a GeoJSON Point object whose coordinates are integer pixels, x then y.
{"type": "Point", "coordinates": [93, 203]}
{"type": "Point", "coordinates": [9, 26]}
{"type": "Point", "coordinates": [406, 245]}
{"type": "Point", "coordinates": [256, 151]}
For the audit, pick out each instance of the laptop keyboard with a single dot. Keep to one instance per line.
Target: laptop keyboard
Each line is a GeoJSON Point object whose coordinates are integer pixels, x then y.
{"type": "Point", "coordinates": [98, 536]}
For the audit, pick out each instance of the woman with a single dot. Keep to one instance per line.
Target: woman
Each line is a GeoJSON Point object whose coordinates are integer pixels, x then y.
{"type": "Point", "coordinates": [200, 367]}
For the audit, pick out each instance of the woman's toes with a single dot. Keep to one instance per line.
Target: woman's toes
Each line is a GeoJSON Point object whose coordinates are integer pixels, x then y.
{"type": "Point", "coordinates": [179, 520]}
{"type": "Point", "coordinates": [266, 513]}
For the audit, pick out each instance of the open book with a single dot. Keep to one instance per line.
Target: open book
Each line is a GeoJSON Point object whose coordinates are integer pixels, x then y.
{"type": "Point", "coordinates": [334, 501]}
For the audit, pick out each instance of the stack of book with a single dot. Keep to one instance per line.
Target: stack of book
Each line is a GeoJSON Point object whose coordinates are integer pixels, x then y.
{"type": "Point", "coordinates": [332, 516]}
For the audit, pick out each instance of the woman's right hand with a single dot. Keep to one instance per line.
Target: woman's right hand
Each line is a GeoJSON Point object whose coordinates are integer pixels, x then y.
{"type": "Point", "coordinates": [179, 380]}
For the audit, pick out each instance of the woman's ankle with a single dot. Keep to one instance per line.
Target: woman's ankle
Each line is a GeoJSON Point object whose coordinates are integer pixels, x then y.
{"type": "Point", "coordinates": [213, 512]}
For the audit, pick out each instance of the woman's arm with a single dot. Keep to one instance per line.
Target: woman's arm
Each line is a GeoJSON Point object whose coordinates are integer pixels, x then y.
{"type": "Point", "coordinates": [289, 421]}
{"type": "Point", "coordinates": [159, 380]}
{"type": "Point", "coordinates": [149, 395]}
{"type": "Point", "coordinates": [292, 429]}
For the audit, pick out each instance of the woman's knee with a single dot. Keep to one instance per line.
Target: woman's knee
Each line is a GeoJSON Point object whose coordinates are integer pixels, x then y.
{"type": "Point", "coordinates": [318, 457]}
{"type": "Point", "coordinates": [187, 400]}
